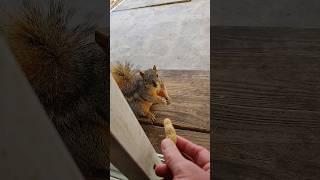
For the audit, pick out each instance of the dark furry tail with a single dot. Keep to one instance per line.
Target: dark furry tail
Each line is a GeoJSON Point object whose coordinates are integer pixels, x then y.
{"type": "Point", "coordinates": [57, 57]}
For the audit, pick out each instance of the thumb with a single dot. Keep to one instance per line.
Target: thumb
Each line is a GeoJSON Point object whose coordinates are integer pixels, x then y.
{"type": "Point", "coordinates": [172, 155]}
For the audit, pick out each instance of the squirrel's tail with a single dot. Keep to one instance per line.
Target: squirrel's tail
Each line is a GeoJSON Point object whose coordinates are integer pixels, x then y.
{"type": "Point", "coordinates": [57, 57]}
{"type": "Point", "coordinates": [124, 75]}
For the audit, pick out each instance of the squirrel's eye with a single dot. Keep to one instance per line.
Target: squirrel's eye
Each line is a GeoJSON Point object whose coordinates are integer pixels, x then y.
{"type": "Point", "coordinates": [157, 75]}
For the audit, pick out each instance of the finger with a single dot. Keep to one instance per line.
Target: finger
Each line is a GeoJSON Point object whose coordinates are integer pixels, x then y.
{"type": "Point", "coordinates": [199, 155]}
{"type": "Point", "coordinates": [162, 170]}
{"type": "Point", "coordinates": [172, 155]}
{"type": "Point", "coordinates": [206, 167]}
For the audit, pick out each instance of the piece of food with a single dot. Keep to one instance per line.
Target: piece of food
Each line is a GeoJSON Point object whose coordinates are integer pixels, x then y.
{"type": "Point", "coordinates": [164, 93]}
{"type": "Point", "coordinates": [169, 130]}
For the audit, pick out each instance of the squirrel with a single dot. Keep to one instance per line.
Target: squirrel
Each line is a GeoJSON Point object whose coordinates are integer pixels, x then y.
{"type": "Point", "coordinates": [142, 89]}
{"type": "Point", "coordinates": [67, 70]}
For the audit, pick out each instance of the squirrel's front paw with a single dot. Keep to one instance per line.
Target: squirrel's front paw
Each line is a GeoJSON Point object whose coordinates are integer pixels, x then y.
{"type": "Point", "coordinates": [163, 101]}
{"type": "Point", "coordinates": [168, 100]}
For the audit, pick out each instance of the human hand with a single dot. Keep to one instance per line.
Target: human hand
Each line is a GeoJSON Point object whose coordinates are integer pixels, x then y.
{"type": "Point", "coordinates": [178, 167]}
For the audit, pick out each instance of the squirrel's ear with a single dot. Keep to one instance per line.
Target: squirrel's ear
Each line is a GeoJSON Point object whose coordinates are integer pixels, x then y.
{"type": "Point", "coordinates": [141, 74]}
{"type": "Point", "coordinates": [154, 67]}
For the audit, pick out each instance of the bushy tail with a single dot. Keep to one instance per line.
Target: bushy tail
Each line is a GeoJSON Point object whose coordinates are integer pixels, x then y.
{"type": "Point", "coordinates": [57, 57]}
{"type": "Point", "coordinates": [124, 75]}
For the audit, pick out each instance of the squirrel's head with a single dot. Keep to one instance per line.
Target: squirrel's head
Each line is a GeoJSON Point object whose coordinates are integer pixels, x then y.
{"type": "Point", "coordinates": [151, 78]}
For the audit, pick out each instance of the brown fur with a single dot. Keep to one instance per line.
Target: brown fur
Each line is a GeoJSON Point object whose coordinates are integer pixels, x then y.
{"type": "Point", "coordinates": [68, 73]}
{"type": "Point", "coordinates": [142, 89]}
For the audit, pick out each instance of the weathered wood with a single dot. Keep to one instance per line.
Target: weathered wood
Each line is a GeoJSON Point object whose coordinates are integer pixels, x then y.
{"type": "Point", "coordinates": [190, 93]}
{"type": "Point", "coordinates": [266, 103]}
{"type": "Point", "coordinates": [114, 3]}
{"type": "Point", "coordinates": [156, 135]}
{"type": "Point", "coordinates": [138, 4]}
{"type": "Point", "coordinates": [116, 174]}
{"type": "Point", "coordinates": [131, 151]}
{"type": "Point", "coordinates": [30, 146]}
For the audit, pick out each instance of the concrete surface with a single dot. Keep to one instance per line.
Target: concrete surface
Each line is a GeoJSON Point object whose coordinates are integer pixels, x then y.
{"type": "Point", "coordinates": [172, 37]}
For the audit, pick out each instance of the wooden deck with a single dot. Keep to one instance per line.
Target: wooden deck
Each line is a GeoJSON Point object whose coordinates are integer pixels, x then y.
{"type": "Point", "coordinates": [189, 110]}
{"type": "Point", "coordinates": [266, 103]}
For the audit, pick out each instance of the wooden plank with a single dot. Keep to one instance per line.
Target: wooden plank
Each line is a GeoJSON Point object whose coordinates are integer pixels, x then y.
{"type": "Point", "coordinates": [266, 161]}
{"type": "Point", "coordinates": [131, 151]}
{"type": "Point", "coordinates": [190, 93]}
{"type": "Point", "coordinates": [265, 100]}
{"type": "Point", "coordinates": [114, 3]}
{"type": "Point", "coordinates": [156, 135]}
{"type": "Point", "coordinates": [135, 4]}
{"type": "Point", "coordinates": [116, 174]}
{"type": "Point", "coordinates": [30, 146]}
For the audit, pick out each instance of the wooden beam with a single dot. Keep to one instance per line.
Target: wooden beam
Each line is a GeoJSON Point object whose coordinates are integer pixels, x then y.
{"type": "Point", "coordinates": [30, 146]}
{"type": "Point", "coordinates": [131, 151]}
{"type": "Point", "coordinates": [114, 3]}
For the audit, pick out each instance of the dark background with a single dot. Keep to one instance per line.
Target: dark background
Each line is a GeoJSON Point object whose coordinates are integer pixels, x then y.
{"type": "Point", "coordinates": [279, 13]}
{"type": "Point", "coordinates": [265, 84]}
{"type": "Point", "coordinates": [84, 9]}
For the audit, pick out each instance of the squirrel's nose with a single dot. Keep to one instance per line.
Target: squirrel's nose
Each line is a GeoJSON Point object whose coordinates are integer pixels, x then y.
{"type": "Point", "coordinates": [154, 83]}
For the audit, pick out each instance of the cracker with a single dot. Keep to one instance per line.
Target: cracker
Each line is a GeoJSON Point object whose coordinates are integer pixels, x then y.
{"type": "Point", "coordinates": [170, 132]}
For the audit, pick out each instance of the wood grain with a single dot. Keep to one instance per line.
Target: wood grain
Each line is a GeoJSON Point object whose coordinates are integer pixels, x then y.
{"type": "Point", "coordinates": [190, 93]}
{"type": "Point", "coordinates": [156, 135]}
{"type": "Point", "coordinates": [137, 4]}
{"type": "Point", "coordinates": [266, 103]}
{"type": "Point", "coordinates": [114, 3]}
